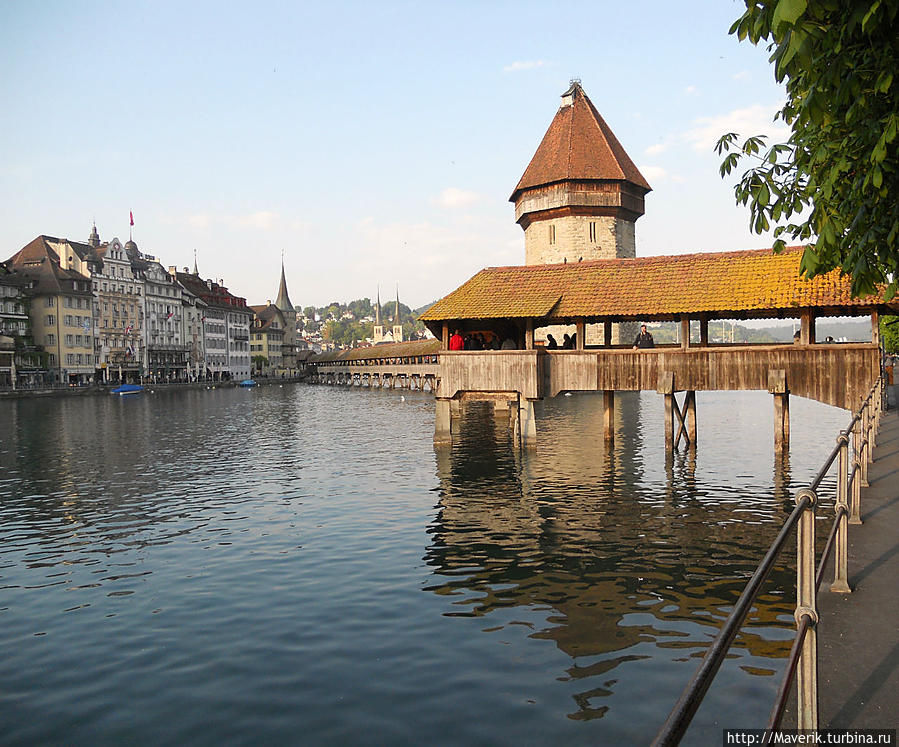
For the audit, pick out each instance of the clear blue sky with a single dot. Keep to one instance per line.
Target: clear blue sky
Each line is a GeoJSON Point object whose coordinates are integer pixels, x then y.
{"type": "Point", "coordinates": [374, 143]}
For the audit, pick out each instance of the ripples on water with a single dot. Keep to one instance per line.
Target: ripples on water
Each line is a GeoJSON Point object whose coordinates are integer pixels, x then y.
{"type": "Point", "coordinates": [300, 564]}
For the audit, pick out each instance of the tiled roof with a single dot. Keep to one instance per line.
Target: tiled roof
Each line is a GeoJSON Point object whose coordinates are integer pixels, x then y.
{"type": "Point", "coordinates": [38, 260]}
{"type": "Point", "coordinates": [755, 283]}
{"type": "Point", "coordinates": [579, 145]}
{"type": "Point", "coordinates": [387, 350]}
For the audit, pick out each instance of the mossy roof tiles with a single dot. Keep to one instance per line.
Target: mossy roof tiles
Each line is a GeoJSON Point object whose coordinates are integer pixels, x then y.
{"type": "Point", "coordinates": [755, 283]}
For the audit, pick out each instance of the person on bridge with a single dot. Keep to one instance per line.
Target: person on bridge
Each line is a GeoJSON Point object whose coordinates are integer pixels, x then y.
{"type": "Point", "coordinates": [644, 339]}
{"type": "Point", "coordinates": [551, 343]}
{"type": "Point", "coordinates": [456, 342]}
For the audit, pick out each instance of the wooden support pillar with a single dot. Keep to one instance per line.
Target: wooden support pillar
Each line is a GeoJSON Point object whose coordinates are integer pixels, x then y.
{"type": "Point", "coordinates": [704, 331]}
{"type": "Point", "coordinates": [690, 407]}
{"type": "Point", "coordinates": [669, 423]}
{"type": "Point", "coordinates": [807, 327]}
{"type": "Point", "coordinates": [608, 415]}
{"type": "Point", "coordinates": [529, 335]}
{"type": "Point", "coordinates": [777, 385]}
{"type": "Point", "coordinates": [665, 387]}
{"type": "Point", "coordinates": [445, 335]}
{"type": "Point", "coordinates": [581, 332]}
{"type": "Point", "coordinates": [527, 422]}
{"type": "Point", "coordinates": [607, 334]}
{"type": "Point", "coordinates": [684, 332]}
{"type": "Point", "coordinates": [875, 328]}
{"type": "Point", "coordinates": [443, 422]}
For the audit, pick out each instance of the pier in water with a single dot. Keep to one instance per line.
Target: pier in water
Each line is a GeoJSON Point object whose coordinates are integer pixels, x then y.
{"type": "Point", "coordinates": [302, 563]}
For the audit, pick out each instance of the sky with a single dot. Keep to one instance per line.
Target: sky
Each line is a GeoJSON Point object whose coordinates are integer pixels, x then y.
{"type": "Point", "coordinates": [372, 145]}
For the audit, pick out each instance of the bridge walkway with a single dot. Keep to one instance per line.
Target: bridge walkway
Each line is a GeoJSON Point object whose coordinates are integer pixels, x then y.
{"type": "Point", "coordinates": [858, 633]}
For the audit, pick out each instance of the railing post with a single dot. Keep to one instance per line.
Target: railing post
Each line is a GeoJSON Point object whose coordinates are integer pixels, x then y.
{"type": "Point", "coordinates": [807, 673]}
{"type": "Point", "coordinates": [866, 446]}
{"type": "Point", "coordinates": [840, 560]}
{"type": "Point", "coordinates": [856, 496]}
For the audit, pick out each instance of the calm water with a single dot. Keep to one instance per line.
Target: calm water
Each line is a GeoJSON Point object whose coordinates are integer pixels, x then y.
{"type": "Point", "coordinates": [301, 565]}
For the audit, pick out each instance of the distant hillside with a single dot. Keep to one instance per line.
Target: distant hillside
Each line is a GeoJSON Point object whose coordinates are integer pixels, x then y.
{"type": "Point", "coordinates": [843, 331]}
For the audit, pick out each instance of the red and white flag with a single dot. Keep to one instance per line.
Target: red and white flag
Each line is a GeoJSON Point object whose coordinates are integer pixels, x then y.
{"type": "Point", "coordinates": [131, 216]}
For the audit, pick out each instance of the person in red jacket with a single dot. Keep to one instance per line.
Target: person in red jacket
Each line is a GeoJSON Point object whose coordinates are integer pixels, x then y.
{"type": "Point", "coordinates": [456, 342]}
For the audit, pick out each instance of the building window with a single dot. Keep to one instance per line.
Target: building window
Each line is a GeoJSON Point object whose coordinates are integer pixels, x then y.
{"type": "Point", "coordinates": [50, 319]}
{"type": "Point", "coordinates": [552, 234]}
{"type": "Point", "coordinates": [592, 232]}
{"type": "Point", "coordinates": [51, 339]}
{"type": "Point", "coordinates": [49, 302]}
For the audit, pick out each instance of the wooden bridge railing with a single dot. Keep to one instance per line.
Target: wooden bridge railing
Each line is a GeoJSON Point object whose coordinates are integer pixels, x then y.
{"type": "Point", "coordinates": [803, 659]}
{"type": "Point", "coordinates": [837, 375]}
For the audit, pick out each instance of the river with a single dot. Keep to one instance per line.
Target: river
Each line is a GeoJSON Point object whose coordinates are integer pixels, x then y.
{"type": "Point", "coordinates": [300, 564]}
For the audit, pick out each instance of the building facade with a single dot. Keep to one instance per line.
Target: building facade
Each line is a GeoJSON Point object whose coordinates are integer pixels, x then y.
{"type": "Point", "coordinates": [226, 327]}
{"type": "Point", "coordinates": [167, 351]}
{"type": "Point", "coordinates": [267, 337]}
{"type": "Point", "coordinates": [60, 310]}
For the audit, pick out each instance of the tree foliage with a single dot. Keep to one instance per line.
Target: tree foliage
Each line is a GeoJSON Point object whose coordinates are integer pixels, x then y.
{"type": "Point", "coordinates": [835, 181]}
{"type": "Point", "coordinates": [889, 333]}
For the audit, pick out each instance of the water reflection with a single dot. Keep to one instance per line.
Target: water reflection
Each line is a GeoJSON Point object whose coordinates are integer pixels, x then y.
{"type": "Point", "coordinates": [622, 552]}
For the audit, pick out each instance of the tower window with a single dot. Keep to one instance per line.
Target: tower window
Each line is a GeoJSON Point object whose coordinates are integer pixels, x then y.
{"type": "Point", "coordinates": [592, 231]}
{"type": "Point", "coordinates": [552, 234]}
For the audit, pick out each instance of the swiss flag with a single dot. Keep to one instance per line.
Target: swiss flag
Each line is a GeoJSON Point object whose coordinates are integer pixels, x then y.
{"type": "Point", "coordinates": [131, 216]}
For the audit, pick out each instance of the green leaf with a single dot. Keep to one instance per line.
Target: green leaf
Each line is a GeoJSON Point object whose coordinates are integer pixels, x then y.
{"type": "Point", "coordinates": [788, 11]}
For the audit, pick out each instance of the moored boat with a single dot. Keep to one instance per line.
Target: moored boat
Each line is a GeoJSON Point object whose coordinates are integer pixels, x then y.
{"type": "Point", "coordinates": [127, 389]}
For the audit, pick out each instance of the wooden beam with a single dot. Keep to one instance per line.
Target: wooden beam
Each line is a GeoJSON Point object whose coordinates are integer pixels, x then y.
{"type": "Point", "coordinates": [445, 335]}
{"type": "Point", "coordinates": [807, 327]}
{"type": "Point", "coordinates": [580, 326]}
{"type": "Point", "coordinates": [529, 335]}
{"type": "Point", "coordinates": [875, 327]}
{"type": "Point", "coordinates": [704, 331]}
{"type": "Point", "coordinates": [684, 332]}
{"type": "Point", "coordinates": [607, 334]}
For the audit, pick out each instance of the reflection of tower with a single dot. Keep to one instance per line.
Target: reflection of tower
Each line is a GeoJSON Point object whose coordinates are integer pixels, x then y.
{"type": "Point", "coordinates": [378, 329]}
{"type": "Point", "coordinates": [397, 324]}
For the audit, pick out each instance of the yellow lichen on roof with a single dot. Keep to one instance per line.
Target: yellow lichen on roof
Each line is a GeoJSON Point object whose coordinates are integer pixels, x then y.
{"type": "Point", "coordinates": [758, 283]}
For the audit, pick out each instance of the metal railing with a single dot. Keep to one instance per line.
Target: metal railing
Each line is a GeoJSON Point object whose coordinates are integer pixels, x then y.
{"type": "Point", "coordinates": [802, 663]}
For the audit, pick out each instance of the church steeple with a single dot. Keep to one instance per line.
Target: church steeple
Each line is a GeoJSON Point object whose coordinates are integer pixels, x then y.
{"type": "Point", "coordinates": [581, 194]}
{"type": "Point", "coordinates": [283, 301]}
{"type": "Point", "coordinates": [397, 324]}
{"type": "Point", "coordinates": [196, 271]}
{"type": "Point", "coordinates": [94, 239]}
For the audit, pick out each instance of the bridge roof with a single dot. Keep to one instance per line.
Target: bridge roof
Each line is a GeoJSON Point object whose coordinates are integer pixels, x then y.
{"type": "Point", "coordinates": [387, 350]}
{"type": "Point", "coordinates": [755, 283]}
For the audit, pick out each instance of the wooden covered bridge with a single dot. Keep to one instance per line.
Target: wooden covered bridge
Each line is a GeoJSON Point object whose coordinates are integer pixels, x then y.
{"type": "Point", "coordinates": [519, 303]}
{"type": "Point", "coordinates": [412, 364]}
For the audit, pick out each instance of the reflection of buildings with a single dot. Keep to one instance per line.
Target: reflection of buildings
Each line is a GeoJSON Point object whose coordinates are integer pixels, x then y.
{"type": "Point", "coordinates": [618, 561]}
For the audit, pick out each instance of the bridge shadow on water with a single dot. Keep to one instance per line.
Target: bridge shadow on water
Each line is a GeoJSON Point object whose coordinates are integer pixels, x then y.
{"type": "Point", "coordinates": [632, 560]}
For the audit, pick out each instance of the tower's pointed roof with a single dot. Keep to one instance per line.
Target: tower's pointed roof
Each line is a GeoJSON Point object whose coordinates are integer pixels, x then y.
{"type": "Point", "coordinates": [283, 301]}
{"type": "Point", "coordinates": [579, 146]}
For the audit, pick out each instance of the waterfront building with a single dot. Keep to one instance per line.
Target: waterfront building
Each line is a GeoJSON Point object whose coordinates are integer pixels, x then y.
{"type": "Point", "coordinates": [22, 362]}
{"type": "Point", "coordinates": [289, 314]}
{"type": "Point", "coordinates": [167, 350]}
{"type": "Point", "coordinates": [60, 307]}
{"type": "Point", "coordinates": [193, 313]}
{"type": "Point", "coordinates": [226, 327]}
{"type": "Point", "coordinates": [118, 283]}
{"type": "Point", "coordinates": [580, 196]}
{"type": "Point", "coordinates": [267, 338]}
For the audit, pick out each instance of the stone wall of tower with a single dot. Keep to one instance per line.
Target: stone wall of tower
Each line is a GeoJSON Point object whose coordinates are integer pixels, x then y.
{"type": "Point", "coordinates": [570, 238]}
